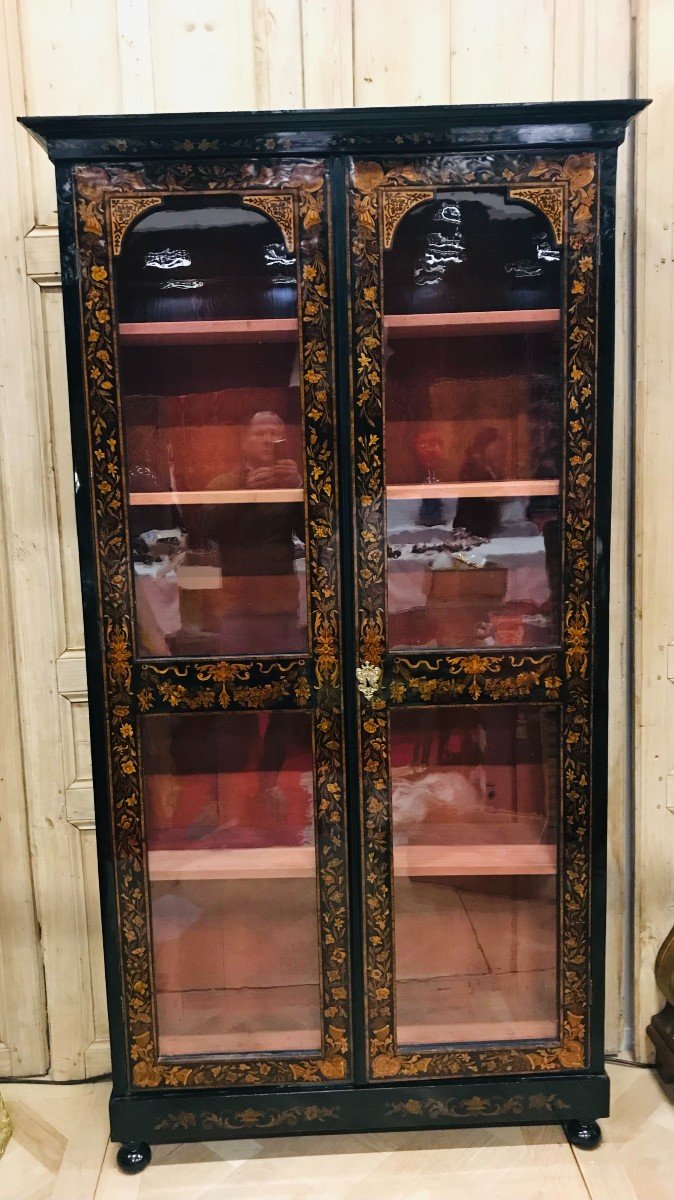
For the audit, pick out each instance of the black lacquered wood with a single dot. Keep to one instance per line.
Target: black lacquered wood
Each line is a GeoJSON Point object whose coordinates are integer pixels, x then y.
{"type": "Point", "coordinates": [535, 131]}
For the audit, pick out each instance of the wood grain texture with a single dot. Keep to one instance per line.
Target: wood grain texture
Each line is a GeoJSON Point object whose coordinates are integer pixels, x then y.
{"type": "Point", "coordinates": [203, 55]}
{"type": "Point", "coordinates": [654, 710]}
{"type": "Point", "coordinates": [277, 33]}
{"type": "Point", "coordinates": [402, 52]}
{"type": "Point", "coordinates": [23, 1019]}
{"type": "Point", "coordinates": [501, 52]}
{"type": "Point", "coordinates": [327, 53]}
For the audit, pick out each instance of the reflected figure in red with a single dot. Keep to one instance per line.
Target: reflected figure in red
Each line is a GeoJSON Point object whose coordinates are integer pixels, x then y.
{"type": "Point", "coordinates": [430, 453]}
{"type": "Point", "coordinates": [483, 461]}
{"type": "Point", "coordinates": [259, 588]}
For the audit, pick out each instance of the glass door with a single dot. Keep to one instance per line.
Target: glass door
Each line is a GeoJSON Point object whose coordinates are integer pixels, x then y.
{"type": "Point", "coordinates": [473, 324]}
{"type": "Point", "coordinates": [207, 324]}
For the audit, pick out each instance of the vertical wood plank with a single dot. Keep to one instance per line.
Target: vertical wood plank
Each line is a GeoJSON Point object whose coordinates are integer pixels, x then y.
{"type": "Point", "coordinates": [327, 53]}
{"type": "Point", "coordinates": [501, 52]}
{"type": "Point", "coordinates": [70, 60]}
{"type": "Point", "coordinates": [24, 1019]}
{"type": "Point", "coordinates": [203, 56]}
{"type": "Point", "coordinates": [134, 40]}
{"type": "Point", "coordinates": [277, 29]}
{"type": "Point", "coordinates": [402, 52]}
{"type": "Point", "coordinates": [654, 584]}
{"type": "Point", "coordinates": [592, 49]}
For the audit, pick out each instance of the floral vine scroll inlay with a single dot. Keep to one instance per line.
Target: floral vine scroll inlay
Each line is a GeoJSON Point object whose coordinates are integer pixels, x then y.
{"type": "Point", "coordinates": [124, 210]}
{"type": "Point", "coordinates": [565, 190]}
{"type": "Point", "coordinates": [278, 206]}
{"type": "Point", "coordinates": [106, 199]}
{"type": "Point", "coordinates": [469, 1107]}
{"type": "Point", "coordinates": [248, 1118]}
{"type": "Point", "coordinates": [396, 203]}
{"type": "Point", "coordinates": [550, 200]}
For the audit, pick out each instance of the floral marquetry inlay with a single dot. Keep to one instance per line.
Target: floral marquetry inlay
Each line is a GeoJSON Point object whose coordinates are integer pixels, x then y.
{"type": "Point", "coordinates": [293, 191]}
{"type": "Point", "coordinates": [476, 677]}
{"type": "Point", "coordinates": [395, 204]}
{"type": "Point", "coordinates": [124, 210]}
{"type": "Point", "coordinates": [472, 1107]}
{"type": "Point", "coordinates": [279, 207]}
{"type": "Point", "coordinates": [565, 189]}
{"type": "Point", "coordinates": [550, 200]}
{"type": "Point", "coordinates": [254, 1119]}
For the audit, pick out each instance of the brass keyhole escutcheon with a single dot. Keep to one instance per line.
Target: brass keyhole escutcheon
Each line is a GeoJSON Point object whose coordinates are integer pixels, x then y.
{"type": "Point", "coordinates": [368, 677]}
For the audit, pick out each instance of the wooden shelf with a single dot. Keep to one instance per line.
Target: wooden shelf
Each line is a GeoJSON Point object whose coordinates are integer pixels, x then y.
{"type": "Point", "coordinates": [240, 1019]}
{"type": "Point", "coordinates": [484, 859]}
{"type": "Point", "coordinates": [487, 487]}
{"type": "Point", "coordinates": [260, 1041]}
{"type": "Point", "coordinates": [412, 491]}
{"type": "Point", "coordinates": [176, 1045]}
{"type": "Point", "coordinates": [471, 324]}
{"type": "Point", "coordinates": [265, 862]}
{"type": "Point", "coordinates": [452, 1034]}
{"type": "Point", "coordinates": [299, 862]}
{"type": "Point", "coordinates": [242, 496]}
{"type": "Point", "coordinates": [200, 333]}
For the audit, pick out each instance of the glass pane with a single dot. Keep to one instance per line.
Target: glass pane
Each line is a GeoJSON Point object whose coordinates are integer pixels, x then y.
{"type": "Point", "coordinates": [229, 803]}
{"type": "Point", "coordinates": [473, 407]}
{"type": "Point", "coordinates": [208, 346]}
{"type": "Point", "coordinates": [475, 803]}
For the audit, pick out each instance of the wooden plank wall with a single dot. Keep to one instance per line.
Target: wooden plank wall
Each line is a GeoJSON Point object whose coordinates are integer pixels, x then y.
{"type": "Point", "coordinates": [140, 55]}
{"type": "Point", "coordinates": [654, 509]}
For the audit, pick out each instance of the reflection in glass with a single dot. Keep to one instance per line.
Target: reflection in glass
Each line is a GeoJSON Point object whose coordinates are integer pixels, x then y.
{"type": "Point", "coordinates": [232, 863]}
{"type": "Point", "coordinates": [473, 410]}
{"type": "Point", "coordinates": [207, 309]}
{"type": "Point", "coordinates": [475, 807]}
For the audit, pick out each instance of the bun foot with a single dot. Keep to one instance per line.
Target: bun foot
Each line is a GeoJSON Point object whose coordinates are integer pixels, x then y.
{"type": "Point", "coordinates": [584, 1134]}
{"type": "Point", "coordinates": [133, 1157]}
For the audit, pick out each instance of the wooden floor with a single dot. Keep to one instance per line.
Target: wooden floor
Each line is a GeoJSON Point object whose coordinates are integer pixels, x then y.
{"type": "Point", "coordinates": [60, 1151]}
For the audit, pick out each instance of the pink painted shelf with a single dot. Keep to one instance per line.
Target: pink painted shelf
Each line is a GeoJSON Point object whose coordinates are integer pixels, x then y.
{"type": "Point", "coordinates": [201, 333]}
{"type": "Point", "coordinates": [487, 487]}
{"type": "Point", "coordinates": [299, 862]}
{"type": "Point", "coordinates": [239, 496]}
{"type": "Point", "coordinates": [472, 324]}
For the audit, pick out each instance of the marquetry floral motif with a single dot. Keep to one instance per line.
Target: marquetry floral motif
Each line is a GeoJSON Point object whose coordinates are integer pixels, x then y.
{"type": "Point", "coordinates": [280, 208]}
{"type": "Point", "coordinates": [132, 688]}
{"type": "Point", "coordinates": [124, 210]}
{"type": "Point", "coordinates": [248, 1118]}
{"type": "Point", "coordinates": [468, 1107]}
{"type": "Point", "coordinates": [550, 201]}
{"type": "Point", "coordinates": [237, 685]}
{"type": "Point", "coordinates": [395, 204]}
{"type": "Point", "coordinates": [563, 679]}
{"type": "Point", "coordinates": [478, 676]}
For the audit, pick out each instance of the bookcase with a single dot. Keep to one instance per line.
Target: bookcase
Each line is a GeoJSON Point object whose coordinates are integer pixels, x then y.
{"type": "Point", "coordinates": [341, 389]}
